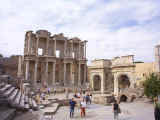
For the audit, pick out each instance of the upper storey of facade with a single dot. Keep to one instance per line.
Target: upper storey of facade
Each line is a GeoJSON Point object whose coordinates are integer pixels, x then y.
{"type": "Point", "coordinates": [100, 63]}
{"type": "Point", "coordinates": [43, 44]}
{"type": "Point", "coordinates": [115, 62]}
{"type": "Point", "coordinates": [123, 61]}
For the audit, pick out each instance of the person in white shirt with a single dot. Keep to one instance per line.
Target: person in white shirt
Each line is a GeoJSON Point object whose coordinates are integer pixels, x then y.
{"type": "Point", "coordinates": [78, 95]}
{"type": "Point", "coordinates": [83, 108]}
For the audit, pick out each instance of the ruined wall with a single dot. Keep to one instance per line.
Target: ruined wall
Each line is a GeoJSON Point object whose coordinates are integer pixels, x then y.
{"type": "Point", "coordinates": [9, 65]}
{"type": "Point", "coordinates": [142, 70]}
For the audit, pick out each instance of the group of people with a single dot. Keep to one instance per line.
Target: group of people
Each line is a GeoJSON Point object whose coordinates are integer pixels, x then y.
{"type": "Point", "coordinates": [85, 99]}
{"type": "Point", "coordinates": [83, 105]}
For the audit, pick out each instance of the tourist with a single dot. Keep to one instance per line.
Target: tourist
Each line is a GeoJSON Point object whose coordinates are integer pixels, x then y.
{"type": "Point", "coordinates": [116, 110]}
{"type": "Point", "coordinates": [83, 108]}
{"type": "Point", "coordinates": [87, 98]}
{"type": "Point", "coordinates": [84, 92]}
{"type": "Point", "coordinates": [90, 96]}
{"type": "Point", "coordinates": [156, 109]}
{"type": "Point", "coordinates": [78, 95]}
{"type": "Point", "coordinates": [54, 92]}
{"type": "Point", "coordinates": [49, 91]}
{"type": "Point", "coordinates": [72, 104]}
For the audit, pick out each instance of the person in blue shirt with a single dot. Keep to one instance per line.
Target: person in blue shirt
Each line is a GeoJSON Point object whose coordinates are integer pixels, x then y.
{"type": "Point", "coordinates": [72, 104]}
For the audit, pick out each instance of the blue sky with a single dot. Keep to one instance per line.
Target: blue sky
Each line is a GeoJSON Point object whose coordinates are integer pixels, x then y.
{"type": "Point", "coordinates": [112, 27]}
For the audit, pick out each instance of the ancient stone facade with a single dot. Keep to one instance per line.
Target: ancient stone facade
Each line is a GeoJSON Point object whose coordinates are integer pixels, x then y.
{"type": "Point", "coordinates": [52, 60]}
{"type": "Point", "coordinates": [121, 74]}
{"type": "Point", "coordinates": [99, 75]}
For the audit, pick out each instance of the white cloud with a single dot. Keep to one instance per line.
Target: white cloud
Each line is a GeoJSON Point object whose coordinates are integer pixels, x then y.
{"type": "Point", "coordinates": [112, 28]}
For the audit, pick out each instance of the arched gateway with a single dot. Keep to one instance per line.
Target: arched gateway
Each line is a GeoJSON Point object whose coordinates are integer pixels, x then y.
{"type": "Point", "coordinates": [123, 82]}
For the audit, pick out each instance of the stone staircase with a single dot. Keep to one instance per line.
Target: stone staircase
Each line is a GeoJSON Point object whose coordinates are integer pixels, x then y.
{"type": "Point", "coordinates": [7, 113]}
{"type": "Point", "coordinates": [12, 96]}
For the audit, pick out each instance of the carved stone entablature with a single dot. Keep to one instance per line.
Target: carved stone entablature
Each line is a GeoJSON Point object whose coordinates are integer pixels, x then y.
{"type": "Point", "coordinates": [43, 33]}
{"type": "Point", "coordinates": [29, 57]}
{"type": "Point", "coordinates": [123, 61]}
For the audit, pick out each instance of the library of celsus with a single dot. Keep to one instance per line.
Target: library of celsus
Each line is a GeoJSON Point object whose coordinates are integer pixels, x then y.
{"type": "Point", "coordinates": [52, 60]}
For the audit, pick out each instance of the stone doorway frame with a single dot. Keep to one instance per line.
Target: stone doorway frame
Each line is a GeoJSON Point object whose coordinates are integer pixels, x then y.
{"type": "Point", "coordinates": [99, 80]}
{"type": "Point", "coordinates": [130, 76]}
{"type": "Point", "coordinates": [119, 78]}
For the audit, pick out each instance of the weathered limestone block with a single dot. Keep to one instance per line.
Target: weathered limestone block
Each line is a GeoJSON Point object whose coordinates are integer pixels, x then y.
{"type": "Point", "coordinates": [103, 99]}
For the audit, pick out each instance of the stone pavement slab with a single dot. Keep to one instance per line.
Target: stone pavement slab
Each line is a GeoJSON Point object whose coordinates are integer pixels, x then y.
{"type": "Point", "coordinates": [130, 111]}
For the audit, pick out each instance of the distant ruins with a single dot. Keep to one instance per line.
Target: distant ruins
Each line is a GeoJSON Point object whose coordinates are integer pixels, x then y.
{"type": "Point", "coordinates": [53, 60]}
{"type": "Point", "coordinates": [121, 75]}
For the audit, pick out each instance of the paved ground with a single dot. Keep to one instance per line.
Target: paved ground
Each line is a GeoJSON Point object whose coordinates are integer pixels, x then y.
{"type": "Point", "coordinates": [130, 111]}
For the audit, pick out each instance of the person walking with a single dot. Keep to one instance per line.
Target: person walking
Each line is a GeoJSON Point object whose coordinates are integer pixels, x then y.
{"type": "Point", "coordinates": [83, 108]}
{"type": "Point", "coordinates": [90, 97]}
{"type": "Point", "coordinates": [49, 90]}
{"type": "Point", "coordinates": [54, 91]}
{"type": "Point", "coordinates": [87, 99]}
{"type": "Point", "coordinates": [156, 109]}
{"type": "Point", "coordinates": [72, 104]}
{"type": "Point", "coordinates": [116, 110]}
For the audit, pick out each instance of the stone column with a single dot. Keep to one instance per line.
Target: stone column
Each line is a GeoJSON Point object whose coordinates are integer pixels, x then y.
{"type": "Point", "coordinates": [85, 50]}
{"type": "Point", "coordinates": [54, 70]}
{"type": "Point", "coordinates": [37, 42]}
{"type": "Point", "coordinates": [71, 76]}
{"type": "Point", "coordinates": [47, 44]}
{"type": "Point", "coordinates": [79, 51]}
{"type": "Point", "coordinates": [132, 80]}
{"type": "Point", "coordinates": [46, 73]}
{"type": "Point", "coordinates": [72, 50]}
{"type": "Point", "coordinates": [54, 46]}
{"type": "Point", "coordinates": [29, 42]}
{"type": "Point", "coordinates": [102, 84]}
{"type": "Point", "coordinates": [92, 80]}
{"type": "Point", "coordinates": [27, 70]}
{"type": "Point", "coordinates": [85, 73]}
{"type": "Point", "coordinates": [65, 45]}
{"type": "Point", "coordinates": [115, 84]}
{"type": "Point", "coordinates": [79, 74]}
{"type": "Point", "coordinates": [64, 75]}
{"type": "Point", "coordinates": [19, 73]}
{"type": "Point", "coordinates": [35, 72]}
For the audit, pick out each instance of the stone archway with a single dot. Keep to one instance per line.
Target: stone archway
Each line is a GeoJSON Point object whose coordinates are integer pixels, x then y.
{"type": "Point", "coordinates": [97, 82]}
{"type": "Point", "coordinates": [123, 82]}
{"type": "Point", "coordinates": [123, 98]}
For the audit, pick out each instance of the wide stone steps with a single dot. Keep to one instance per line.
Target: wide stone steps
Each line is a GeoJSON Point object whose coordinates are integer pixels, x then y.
{"type": "Point", "coordinates": [16, 98]}
{"type": "Point", "coordinates": [13, 95]}
{"type": "Point", "coordinates": [4, 88]}
{"type": "Point", "coordinates": [9, 91]}
{"type": "Point", "coordinates": [7, 113]}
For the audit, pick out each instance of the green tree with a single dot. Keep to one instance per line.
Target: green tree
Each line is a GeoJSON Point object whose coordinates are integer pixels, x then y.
{"type": "Point", "coordinates": [152, 85]}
